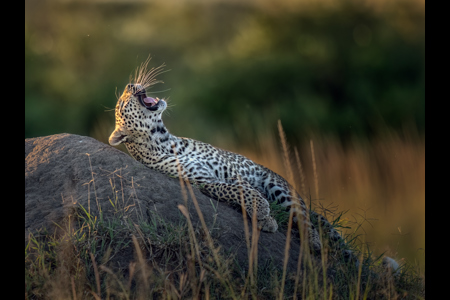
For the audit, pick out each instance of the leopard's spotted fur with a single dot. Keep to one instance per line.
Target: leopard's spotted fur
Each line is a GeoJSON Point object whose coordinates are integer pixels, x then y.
{"type": "Point", "coordinates": [221, 174]}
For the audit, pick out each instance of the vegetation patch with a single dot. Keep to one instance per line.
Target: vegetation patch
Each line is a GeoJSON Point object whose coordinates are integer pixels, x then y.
{"type": "Point", "coordinates": [93, 258]}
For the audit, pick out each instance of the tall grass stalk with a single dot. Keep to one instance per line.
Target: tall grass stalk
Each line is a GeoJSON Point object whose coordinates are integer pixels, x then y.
{"type": "Point", "coordinates": [316, 177]}
{"type": "Point", "coordinates": [186, 185]}
{"type": "Point", "coordinates": [287, 165]}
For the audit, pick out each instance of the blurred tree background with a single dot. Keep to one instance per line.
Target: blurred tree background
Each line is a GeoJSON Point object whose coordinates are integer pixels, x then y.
{"type": "Point", "coordinates": [344, 68]}
{"type": "Point", "coordinates": [350, 71]}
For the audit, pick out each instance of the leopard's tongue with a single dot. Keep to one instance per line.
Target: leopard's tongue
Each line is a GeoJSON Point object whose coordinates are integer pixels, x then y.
{"type": "Point", "coordinates": [150, 100]}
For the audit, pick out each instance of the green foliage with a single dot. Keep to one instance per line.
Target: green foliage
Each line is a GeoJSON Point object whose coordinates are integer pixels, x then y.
{"type": "Point", "coordinates": [347, 69]}
{"type": "Point", "coordinates": [280, 214]}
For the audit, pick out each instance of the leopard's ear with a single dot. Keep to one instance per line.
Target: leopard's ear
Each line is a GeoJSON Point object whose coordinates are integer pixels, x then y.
{"type": "Point", "coordinates": [118, 137]}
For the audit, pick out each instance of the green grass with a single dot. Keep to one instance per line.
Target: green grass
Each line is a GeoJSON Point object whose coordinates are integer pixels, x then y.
{"type": "Point", "coordinates": [93, 258]}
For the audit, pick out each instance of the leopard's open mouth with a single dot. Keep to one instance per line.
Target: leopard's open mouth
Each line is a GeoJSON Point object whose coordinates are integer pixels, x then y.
{"type": "Point", "coordinates": [148, 102]}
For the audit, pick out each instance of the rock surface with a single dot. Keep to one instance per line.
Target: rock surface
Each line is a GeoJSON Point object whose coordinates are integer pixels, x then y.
{"type": "Point", "coordinates": [65, 170]}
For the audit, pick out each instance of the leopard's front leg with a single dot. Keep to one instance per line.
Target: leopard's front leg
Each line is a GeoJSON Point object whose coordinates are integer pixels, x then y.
{"type": "Point", "coordinates": [243, 191]}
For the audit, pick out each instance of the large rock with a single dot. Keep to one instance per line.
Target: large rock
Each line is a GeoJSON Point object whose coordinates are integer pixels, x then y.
{"type": "Point", "coordinates": [65, 170]}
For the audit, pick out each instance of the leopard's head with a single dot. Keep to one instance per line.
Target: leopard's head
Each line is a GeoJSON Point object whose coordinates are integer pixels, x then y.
{"type": "Point", "coordinates": [135, 111]}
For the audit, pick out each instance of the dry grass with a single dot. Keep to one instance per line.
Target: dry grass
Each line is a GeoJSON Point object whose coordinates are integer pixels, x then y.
{"type": "Point", "coordinates": [190, 265]}
{"type": "Point", "coordinates": [80, 265]}
{"type": "Point", "coordinates": [380, 182]}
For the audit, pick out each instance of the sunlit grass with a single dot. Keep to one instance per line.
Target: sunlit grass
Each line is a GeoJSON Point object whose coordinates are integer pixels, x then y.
{"type": "Point", "coordinates": [178, 261]}
{"type": "Point", "coordinates": [378, 182]}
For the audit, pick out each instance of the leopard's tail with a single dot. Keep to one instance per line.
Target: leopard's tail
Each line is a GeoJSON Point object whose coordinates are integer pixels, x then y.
{"type": "Point", "coordinates": [319, 223]}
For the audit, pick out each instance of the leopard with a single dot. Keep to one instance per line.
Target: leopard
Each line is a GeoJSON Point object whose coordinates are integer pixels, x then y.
{"type": "Point", "coordinates": [220, 174]}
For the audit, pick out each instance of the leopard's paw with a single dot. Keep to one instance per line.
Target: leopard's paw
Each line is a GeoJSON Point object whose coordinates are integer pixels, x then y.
{"type": "Point", "coordinates": [268, 224]}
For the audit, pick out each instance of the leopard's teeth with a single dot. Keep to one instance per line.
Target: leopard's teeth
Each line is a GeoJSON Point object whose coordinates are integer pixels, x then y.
{"type": "Point", "coordinates": [150, 100]}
